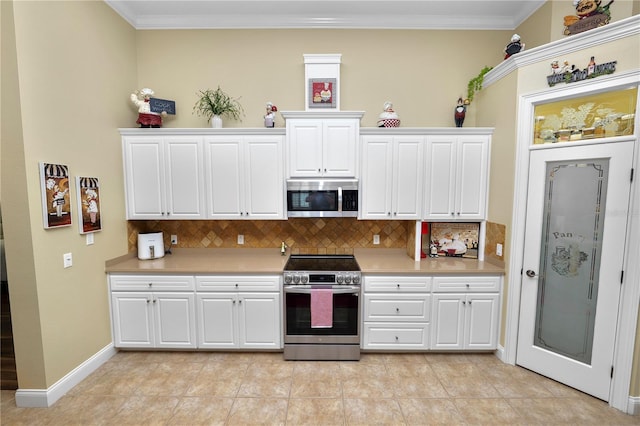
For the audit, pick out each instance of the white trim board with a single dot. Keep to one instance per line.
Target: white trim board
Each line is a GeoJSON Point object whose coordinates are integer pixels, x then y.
{"type": "Point", "coordinates": [42, 398]}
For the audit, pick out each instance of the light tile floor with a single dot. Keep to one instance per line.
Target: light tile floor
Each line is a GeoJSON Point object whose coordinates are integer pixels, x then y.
{"type": "Point", "coordinates": [190, 388]}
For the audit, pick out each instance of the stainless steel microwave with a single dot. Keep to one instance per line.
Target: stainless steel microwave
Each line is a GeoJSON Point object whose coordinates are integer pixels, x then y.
{"type": "Point", "coordinates": [322, 198]}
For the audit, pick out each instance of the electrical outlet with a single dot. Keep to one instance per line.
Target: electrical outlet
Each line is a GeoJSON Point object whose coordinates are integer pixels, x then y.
{"type": "Point", "coordinates": [67, 260]}
{"type": "Point", "coordinates": [240, 239]}
{"type": "Point", "coordinates": [174, 239]}
{"type": "Point", "coordinates": [376, 239]}
{"type": "Point", "coordinates": [499, 249]}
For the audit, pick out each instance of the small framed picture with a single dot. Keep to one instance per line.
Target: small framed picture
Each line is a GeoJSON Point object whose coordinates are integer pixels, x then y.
{"type": "Point", "coordinates": [455, 239]}
{"type": "Point", "coordinates": [88, 196]}
{"type": "Point", "coordinates": [54, 183]}
{"type": "Point", "coordinates": [323, 93]}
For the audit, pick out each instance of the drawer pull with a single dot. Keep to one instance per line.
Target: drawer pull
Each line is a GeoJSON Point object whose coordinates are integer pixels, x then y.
{"type": "Point", "coordinates": [150, 284]}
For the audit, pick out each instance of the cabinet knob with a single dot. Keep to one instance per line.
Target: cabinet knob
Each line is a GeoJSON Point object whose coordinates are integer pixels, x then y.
{"type": "Point", "coordinates": [318, 170]}
{"type": "Point", "coordinates": [469, 302]}
{"type": "Point", "coordinates": [467, 285]}
{"type": "Point", "coordinates": [148, 300]}
{"type": "Point", "coordinates": [240, 302]}
{"type": "Point", "coordinates": [398, 285]}
{"type": "Point", "coordinates": [155, 300]}
{"type": "Point", "coordinates": [464, 303]}
{"type": "Point", "coordinates": [236, 285]}
{"type": "Point", "coordinates": [395, 213]}
{"type": "Point", "coordinates": [246, 213]}
{"type": "Point", "coordinates": [397, 338]}
{"type": "Point", "coordinates": [150, 284]}
{"type": "Point", "coordinates": [234, 302]}
{"type": "Point", "coordinates": [388, 213]}
{"type": "Point", "coordinates": [397, 309]}
{"type": "Point", "coordinates": [325, 170]}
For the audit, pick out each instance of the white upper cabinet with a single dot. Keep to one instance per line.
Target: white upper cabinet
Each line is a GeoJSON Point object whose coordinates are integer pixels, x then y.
{"type": "Point", "coordinates": [244, 177]}
{"type": "Point", "coordinates": [324, 146]}
{"type": "Point", "coordinates": [164, 177]}
{"type": "Point", "coordinates": [456, 177]}
{"type": "Point", "coordinates": [392, 183]}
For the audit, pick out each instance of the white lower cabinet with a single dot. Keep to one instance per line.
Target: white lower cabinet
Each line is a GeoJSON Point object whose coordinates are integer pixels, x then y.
{"type": "Point", "coordinates": [152, 319]}
{"type": "Point", "coordinates": [396, 312]}
{"type": "Point", "coordinates": [465, 313]}
{"type": "Point", "coordinates": [239, 312]}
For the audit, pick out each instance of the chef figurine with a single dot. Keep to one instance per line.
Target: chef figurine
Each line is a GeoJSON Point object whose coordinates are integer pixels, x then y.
{"type": "Point", "coordinates": [388, 117]}
{"type": "Point", "coordinates": [460, 112]}
{"type": "Point", "coordinates": [146, 118]}
{"type": "Point", "coordinates": [514, 47]}
{"type": "Point", "coordinates": [270, 116]}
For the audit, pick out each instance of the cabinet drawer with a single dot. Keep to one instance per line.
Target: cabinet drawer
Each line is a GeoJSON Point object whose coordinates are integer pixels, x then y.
{"type": "Point", "coordinates": [397, 284]}
{"type": "Point", "coordinates": [464, 284]}
{"type": "Point", "coordinates": [397, 307]}
{"type": "Point", "coordinates": [238, 283]}
{"type": "Point", "coordinates": [152, 282]}
{"type": "Point", "coordinates": [395, 336]}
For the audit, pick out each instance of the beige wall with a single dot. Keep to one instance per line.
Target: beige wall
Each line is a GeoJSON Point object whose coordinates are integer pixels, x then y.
{"type": "Point", "coordinates": [73, 64]}
{"type": "Point", "coordinates": [421, 72]}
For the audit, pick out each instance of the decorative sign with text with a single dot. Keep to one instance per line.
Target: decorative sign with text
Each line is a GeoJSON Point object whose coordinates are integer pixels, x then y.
{"type": "Point", "coordinates": [162, 105]}
{"type": "Point", "coordinates": [570, 74]}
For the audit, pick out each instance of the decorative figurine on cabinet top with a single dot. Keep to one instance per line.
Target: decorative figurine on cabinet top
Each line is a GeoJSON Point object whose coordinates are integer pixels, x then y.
{"type": "Point", "coordinates": [515, 46]}
{"type": "Point", "coordinates": [388, 118]}
{"type": "Point", "coordinates": [270, 116]}
{"type": "Point", "coordinates": [460, 112]}
{"type": "Point", "coordinates": [146, 117]}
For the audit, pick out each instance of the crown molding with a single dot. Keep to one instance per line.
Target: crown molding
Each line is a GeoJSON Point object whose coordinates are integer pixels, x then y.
{"type": "Point", "coordinates": [628, 27]}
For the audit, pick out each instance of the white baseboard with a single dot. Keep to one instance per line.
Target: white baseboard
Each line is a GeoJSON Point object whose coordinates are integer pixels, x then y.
{"type": "Point", "coordinates": [500, 353]}
{"type": "Point", "coordinates": [634, 406]}
{"type": "Point", "coordinates": [47, 397]}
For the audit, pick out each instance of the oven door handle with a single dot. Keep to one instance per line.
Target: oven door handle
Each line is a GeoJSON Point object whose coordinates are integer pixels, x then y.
{"type": "Point", "coordinates": [336, 290]}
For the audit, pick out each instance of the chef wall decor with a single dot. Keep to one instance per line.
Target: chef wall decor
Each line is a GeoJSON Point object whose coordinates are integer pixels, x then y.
{"type": "Point", "coordinates": [565, 73]}
{"type": "Point", "coordinates": [590, 14]}
{"type": "Point", "coordinates": [323, 93]}
{"type": "Point", "coordinates": [54, 183]}
{"type": "Point", "coordinates": [88, 196]}
{"type": "Point", "coordinates": [455, 239]}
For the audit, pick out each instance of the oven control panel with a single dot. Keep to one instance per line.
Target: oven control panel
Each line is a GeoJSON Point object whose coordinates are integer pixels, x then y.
{"type": "Point", "coordinates": [344, 278]}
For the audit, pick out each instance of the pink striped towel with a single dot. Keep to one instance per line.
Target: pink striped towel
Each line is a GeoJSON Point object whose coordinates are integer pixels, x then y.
{"type": "Point", "coordinates": [321, 308]}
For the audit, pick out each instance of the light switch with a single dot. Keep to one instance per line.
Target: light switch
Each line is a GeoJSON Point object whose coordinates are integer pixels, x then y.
{"type": "Point", "coordinates": [499, 249]}
{"type": "Point", "coordinates": [67, 260]}
{"type": "Point", "coordinates": [90, 238]}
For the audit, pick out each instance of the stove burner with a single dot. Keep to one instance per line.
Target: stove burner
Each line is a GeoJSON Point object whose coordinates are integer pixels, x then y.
{"type": "Point", "coordinates": [322, 269]}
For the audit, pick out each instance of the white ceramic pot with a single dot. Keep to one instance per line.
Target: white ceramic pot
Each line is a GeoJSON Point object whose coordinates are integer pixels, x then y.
{"type": "Point", "coordinates": [216, 122]}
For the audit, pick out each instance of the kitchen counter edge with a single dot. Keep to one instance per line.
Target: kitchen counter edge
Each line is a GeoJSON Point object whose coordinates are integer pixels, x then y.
{"type": "Point", "coordinates": [270, 261]}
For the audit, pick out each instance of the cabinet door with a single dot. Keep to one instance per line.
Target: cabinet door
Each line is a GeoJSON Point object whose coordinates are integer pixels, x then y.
{"type": "Point", "coordinates": [376, 177]}
{"type": "Point", "coordinates": [259, 320]}
{"type": "Point", "coordinates": [132, 320]}
{"type": "Point", "coordinates": [339, 140]}
{"type": "Point", "coordinates": [407, 178]}
{"type": "Point", "coordinates": [472, 174]}
{"type": "Point", "coordinates": [144, 178]}
{"type": "Point", "coordinates": [264, 182]}
{"type": "Point", "coordinates": [175, 320]}
{"type": "Point", "coordinates": [440, 178]}
{"type": "Point", "coordinates": [184, 178]}
{"type": "Point", "coordinates": [304, 140]}
{"type": "Point", "coordinates": [481, 321]}
{"type": "Point", "coordinates": [217, 323]}
{"type": "Point", "coordinates": [225, 177]}
{"type": "Point", "coordinates": [448, 321]}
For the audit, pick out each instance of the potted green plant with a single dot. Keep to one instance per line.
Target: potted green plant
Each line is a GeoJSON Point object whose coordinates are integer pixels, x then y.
{"type": "Point", "coordinates": [213, 104]}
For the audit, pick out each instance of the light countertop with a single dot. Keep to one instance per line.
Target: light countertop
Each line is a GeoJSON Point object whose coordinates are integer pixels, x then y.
{"type": "Point", "coordinates": [270, 261]}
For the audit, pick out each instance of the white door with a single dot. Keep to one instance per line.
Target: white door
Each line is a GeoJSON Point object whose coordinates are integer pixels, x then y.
{"type": "Point", "coordinates": [264, 183]}
{"type": "Point", "coordinates": [577, 211]}
{"type": "Point", "coordinates": [407, 178]}
{"type": "Point", "coordinates": [471, 180]}
{"type": "Point", "coordinates": [259, 320]}
{"type": "Point", "coordinates": [225, 178]}
{"type": "Point", "coordinates": [304, 140]}
{"type": "Point", "coordinates": [339, 139]}
{"type": "Point", "coordinates": [175, 320]}
{"type": "Point", "coordinates": [217, 323]}
{"type": "Point", "coordinates": [144, 173]}
{"type": "Point", "coordinates": [440, 178]}
{"type": "Point", "coordinates": [132, 320]}
{"type": "Point", "coordinates": [184, 178]}
{"type": "Point", "coordinates": [376, 177]}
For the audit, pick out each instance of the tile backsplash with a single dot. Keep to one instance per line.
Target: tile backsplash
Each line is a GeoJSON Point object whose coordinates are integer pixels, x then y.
{"type": "Point", "coordinates": [318, 235]}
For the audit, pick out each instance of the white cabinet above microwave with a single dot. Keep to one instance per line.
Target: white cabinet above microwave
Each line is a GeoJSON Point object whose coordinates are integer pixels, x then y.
{"type": "Point", "coordinates": [322, 144]}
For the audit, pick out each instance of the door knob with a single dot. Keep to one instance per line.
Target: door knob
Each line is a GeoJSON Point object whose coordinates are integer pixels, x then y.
{"type": "Point", "coordinates": [530, 273]}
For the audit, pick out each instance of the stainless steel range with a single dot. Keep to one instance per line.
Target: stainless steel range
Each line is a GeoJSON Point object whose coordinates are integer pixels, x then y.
{"type": "Point", "coordinates": [322, 307]}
